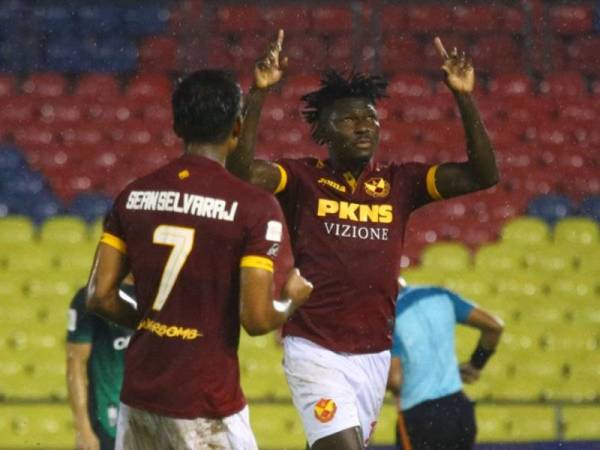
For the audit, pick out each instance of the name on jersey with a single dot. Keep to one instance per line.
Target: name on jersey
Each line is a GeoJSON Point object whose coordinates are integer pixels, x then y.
{"type": "Point", "coordinates": [169, 331]}
{"type": "Point", "coordinates": [332, 184]}
{"type": "Point", "coordinates": [356, 212]}
{"type": "Point", "coordinates": [172, 201]}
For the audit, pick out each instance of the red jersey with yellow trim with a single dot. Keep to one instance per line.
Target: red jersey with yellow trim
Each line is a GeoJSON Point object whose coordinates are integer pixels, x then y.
{"type": "Point", "coordinates": [186, 230]}
{"type": "Point", "coordinates": [347, 238]}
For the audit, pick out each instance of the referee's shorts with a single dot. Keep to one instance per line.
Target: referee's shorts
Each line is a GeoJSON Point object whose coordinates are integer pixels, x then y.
{"type": "Point", "coordinates": [446, 423]}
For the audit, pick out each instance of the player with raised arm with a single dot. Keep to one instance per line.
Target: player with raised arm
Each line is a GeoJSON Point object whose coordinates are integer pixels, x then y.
{"type": "Point", "coordinates": [202, 246]}
{"type": "Point", "coordinates": [347, 217]}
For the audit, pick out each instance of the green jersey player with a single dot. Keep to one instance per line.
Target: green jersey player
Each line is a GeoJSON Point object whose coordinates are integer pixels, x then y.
{"type": "Point", "coordinates": [95, 364]}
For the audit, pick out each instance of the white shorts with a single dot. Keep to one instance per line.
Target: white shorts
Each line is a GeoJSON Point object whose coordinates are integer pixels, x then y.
{"type": "Point", "coordinates": [143, 430]}
{"type": "Point", "coordinates": [335, 391]}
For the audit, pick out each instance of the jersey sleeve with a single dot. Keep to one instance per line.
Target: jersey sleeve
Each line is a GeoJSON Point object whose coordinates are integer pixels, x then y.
{"type": "Point", "coordinates": [462, 307]}
{"type": "Point", "coordinates": [267, 244]}
{"type": "Point", "coordinates": [79, 325]}
{"type": "Point", "coordinates": [113, 233]}
{"type": "Point", "coordinates": [420, 179]}
{"type": "Point", "coordinates": [286, 192]}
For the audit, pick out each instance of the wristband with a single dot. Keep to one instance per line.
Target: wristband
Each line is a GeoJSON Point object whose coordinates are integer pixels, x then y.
{"type": "Point", "coordinates": [480, 356]}
{"type": "Point", "coordinates": [283, 306]}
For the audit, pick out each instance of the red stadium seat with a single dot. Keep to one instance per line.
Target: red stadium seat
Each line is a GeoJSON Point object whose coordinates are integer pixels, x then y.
{"type": "Point", "coordinates": [301, 49]}
{"type": "Point", "coordinates": [578, 110]}
{"type": "Point", "coordinates": [217, 53]}
{"type": "Point", "coordinates": [483, 18]}
{"type": "Point", "coordinates": [97, 86]}
{"type": "Point", "coordinates": [60, 111]}
{"type": "Point", "coordinates": [339, 52]}
{"type": "Point", "coordinates": [429, 18]}
{"type": "Point", "coordinates": [45, 85]}
{"type": "Point", "coordinates": [244, 53]}
{"type": "Point", "coordinates": [331, 19]}
{"type": "Point", "coordinates": [291, 18]}
{"type": "Point", "coordinates": [110, 111]}
{"type": "Point", "coordinates": [530, 182]}
{"type": "Point", "coordinates": [83, 134]}
{"type": "Point", "coordinates": [158, 54]}
{"type": "Point", "coordinates": [409, 85]}
{"type": "Point", "coordinates": [426, 109]}
{"type": "Point", "coordinates": [514, 157]}
{"type": "Point", "coordinates": [393, 18]}
{"type": "Point", "coordinates": [512, 20]}
{"type": "Point", "coordinates": [400, 54]}
{"type": "Point", "coordinates": [7, 85]}
{"type": "Point", "coordinates": [583, 55]}
{"type": "Point", "coordinates": [547, 134]}
{"type": "Point", "coordinates": [149, 87]}
{"type": "Point", "coordinates": [17, 111]}
{"type": "Point", "coordinates": [298, 85]}
{"type": "Point", "coordinates": [580, 182]}
{"type": "Point", "coordinates": [158, 115]}
{"type": "Point", "coordinates": [511, 84]}
{"type": "Point", "coordinates": [68, 185]}
{"type": "Point", "coordinates": [564, 84]}
{"type": "Point", "coordinates": [51, 158]}
{"type": "Point", "coordinates": [497, 53]}
{"type": "Point", "coordinates": [571, 19]}
{"type": "Point", "coordinates": [34, 134]}
{"type": "Point", "coordinates": [233, 18]}
{"type": "Point", "coordinates": [133, 134]}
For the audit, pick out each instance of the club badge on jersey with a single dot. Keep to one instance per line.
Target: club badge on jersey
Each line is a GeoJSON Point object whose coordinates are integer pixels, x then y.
{"type": "Point", "coordinates": [325, 410]}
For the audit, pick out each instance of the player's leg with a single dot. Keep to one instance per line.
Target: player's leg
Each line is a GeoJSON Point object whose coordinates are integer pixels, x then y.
{"type": "Point", "coordinates": [468, 423]}
{"type": "Point", "coordinates": [239, 432]}
{"type": "Point", "coordinates": [349, 439]}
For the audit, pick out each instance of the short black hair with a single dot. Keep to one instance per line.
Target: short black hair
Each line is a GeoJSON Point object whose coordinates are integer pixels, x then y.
{"type": "Point", "coordinates": [205, 106]}
{"type": "Point", "coordinates": [335, 86]}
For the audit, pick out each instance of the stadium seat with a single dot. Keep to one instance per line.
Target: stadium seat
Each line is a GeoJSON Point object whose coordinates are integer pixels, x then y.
{"type": "Point", "coordinates": [520, 285]}
{"type": "Point", "coordinates": [421, 276]}
{"type": "Point", "coordinates": [581, 54]}
{"type": "Point", "coordinates": [581, 422]}
{"type": "Point", "coordinates": [575, 286]}
{"type": "Point", "coordinates": [18, 258]}
{"type": "Point", "coordinates": [497, 53]}
{"type": "Point", "coordinates": [97, 86]}
{"type": "Point", "coordinates": [16, 230]}
{"type": "Point", "coordinates": [102, 19]}
{"type": "Point", "coordinates": [483, 18]}
{"type": "Point", "coordinates": [469, 285]}
{"type": "Point", "coordinates": [580, 232]}
{"type": "Point", "coordinates": [30, 426]}
{"type": "Point", "coordinates": [234, 18]}
{"type": "Point", "coordinates": [329, 19]}
{"type": "Point", "coordinates": [158, 54]}
{"type": "Point", "coordinates": [525, 231]}
{"type": "Point", "coordinates": [586, 313]}
{"type": "Point", "coordinates": [511, 85]}
{"type": "Point", "coordinates": [531, 423]}
{"type": "Point", "coordinates": [571, 19]}
{"type": "Point", "coordinates": [145, 19]}
{"type": "Point", "coordinates": [90, 206]}
{"type": "Point", "coordinates": [7, 85]}
{"type": "Point", "coordinates": [114, 54]}
{"type": "Point", "coordinates": [590, 207]}
{"type": "Point", "coordinates": [551, 260]}
{"type": "Point", "coordinates": [45, 85]}
{"type": "Point", "coordinates": [564, 84]}
{"type": "Point", "coordinates": [446, 257]}
{"type": "Point", "coordinates": [149, 87]}
{"type": "Point", "coordinates": [498, 258]}
{"type": "Point", "coordinates": [63, 230]}
{"type": "Point", "coordinates": [289, 17]}
{"type": "Point", "coordinates": [429, 18]}
{"type": "Point", "coordinates": [589, 261]}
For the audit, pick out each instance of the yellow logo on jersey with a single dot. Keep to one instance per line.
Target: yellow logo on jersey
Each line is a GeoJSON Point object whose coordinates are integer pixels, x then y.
{"type": "Point", "coordinates": [169, 331]}
{"type": "Point", "coordinates": [356, 212]}
{"type": "Point", "coordinates": [183, 174]}
{"type": "Point", "coordinates": [377, 187]}
{"type": "Point", "coordinates": [332, 184]}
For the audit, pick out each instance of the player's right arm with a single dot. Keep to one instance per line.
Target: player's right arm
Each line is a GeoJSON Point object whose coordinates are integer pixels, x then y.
{"type": "Point", "coordinates": [259, 313]}
{"type": "Point", "coordinates": [78, 350]}
{"type": "Point", "coordinates": [265, 174]}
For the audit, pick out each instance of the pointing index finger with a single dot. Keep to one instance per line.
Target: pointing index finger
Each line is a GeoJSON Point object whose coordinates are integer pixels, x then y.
{"type": "Point", "coordinates": [440, 48]}
{"type": "Point", "coordinates": [280, 40]}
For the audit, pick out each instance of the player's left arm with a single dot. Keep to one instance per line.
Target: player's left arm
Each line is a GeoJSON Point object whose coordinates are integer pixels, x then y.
{"type": "Point", "coordinates": [109, 269]}
{"type": "Point", "coordinates": [394, 383]}
{"type": "Point", "coordinates": [480, 170]}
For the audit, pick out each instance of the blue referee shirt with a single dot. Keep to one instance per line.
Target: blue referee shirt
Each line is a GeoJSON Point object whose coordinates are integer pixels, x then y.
{"type": "Point", "coordinates": [424, 342]}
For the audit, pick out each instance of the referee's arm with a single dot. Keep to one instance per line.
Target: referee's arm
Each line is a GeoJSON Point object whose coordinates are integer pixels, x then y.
{"type": "Point", "coordinates": [491, 328]}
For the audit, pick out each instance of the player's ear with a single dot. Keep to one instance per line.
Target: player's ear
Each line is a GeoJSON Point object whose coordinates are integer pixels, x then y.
{"type": "Point", "coordinates": [235, 133]}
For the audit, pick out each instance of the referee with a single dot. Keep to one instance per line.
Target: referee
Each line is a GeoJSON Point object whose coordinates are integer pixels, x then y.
{"type": "Point", "coordinates": [425, 377]}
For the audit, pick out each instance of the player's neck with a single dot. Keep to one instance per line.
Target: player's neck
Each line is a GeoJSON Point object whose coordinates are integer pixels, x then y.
{"type": "Point", "coordinates": [217, 153]}
{"type": "Point", "coordinates": [354, 167]}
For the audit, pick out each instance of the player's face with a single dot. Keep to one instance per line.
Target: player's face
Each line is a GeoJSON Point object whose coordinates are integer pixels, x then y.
{"type": "Point", "coordinates": [352, 129]}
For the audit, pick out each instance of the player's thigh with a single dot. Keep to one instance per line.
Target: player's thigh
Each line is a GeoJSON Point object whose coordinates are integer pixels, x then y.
{"type": "Point", "coordinates": [239, 431]}
{"type": "Point", "coordinates": [320, 392]}
{"type": "Point", "coordinates": [348, 439]}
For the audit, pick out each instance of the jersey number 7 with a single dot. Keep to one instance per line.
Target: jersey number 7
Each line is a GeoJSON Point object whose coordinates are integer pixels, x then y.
{"type": "Point", "coordinates": [182, 241]}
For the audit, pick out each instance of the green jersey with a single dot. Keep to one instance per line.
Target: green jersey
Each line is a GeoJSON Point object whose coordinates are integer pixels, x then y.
{"type": "Point", "coordinates": [106, 362]}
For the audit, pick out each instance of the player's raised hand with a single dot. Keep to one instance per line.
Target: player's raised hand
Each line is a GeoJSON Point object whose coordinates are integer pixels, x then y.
{"type": "Point", "coordinates": [468, 373]}
{"type": "Point", "coordinates": [269, 69]}
{"type": "Point", "coordinates": [460, 75]}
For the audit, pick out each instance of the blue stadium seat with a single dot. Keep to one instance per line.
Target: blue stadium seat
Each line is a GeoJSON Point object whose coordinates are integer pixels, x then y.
{"type": "Point", "coordinates": [144, 19]}
{"type": "Point", "coordinates": [21, 55]}
{"type": "Point", "coordinates": [23, 182]}
{"type": "Point", "coordinates": [38, 207]}
{"type": "Point", "coordinates": [54, 19]}
{"type": "Point", "coordinates": [11, 159]}
{"type": "Point", "coordinates": [100, 19]}
{"type": "Point", "coordinates": [590, 207]}
{"type": "Point", "coordinates": [66, 53]}
{"type": "Point", "coordinates": [550, 208]}
{"type": "Point", "coordinates": [90, 206]}
{"type": "Point", "coordinates": [11, 19]}
{"type": "Point", "coordinates": [113, 55]}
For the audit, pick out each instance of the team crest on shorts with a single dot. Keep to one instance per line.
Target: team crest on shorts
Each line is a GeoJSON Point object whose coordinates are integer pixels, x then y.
{"type": "Point", "coordinates": [377, 187]}
{"type": "Point", "coordinates": [325, 410]}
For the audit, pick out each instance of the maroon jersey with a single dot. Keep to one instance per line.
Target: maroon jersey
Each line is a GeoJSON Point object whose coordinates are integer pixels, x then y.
{"type": "Point", "coordinates": [186, 230]}
{"type": "Point", "coordinates": [347, 238]}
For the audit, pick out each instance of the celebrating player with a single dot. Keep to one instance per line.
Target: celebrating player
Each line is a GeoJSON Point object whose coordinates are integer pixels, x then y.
{"type": "Point", "coordinates": [347, 217]}
{"type": "Point", "coordinates": [202, 246]}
